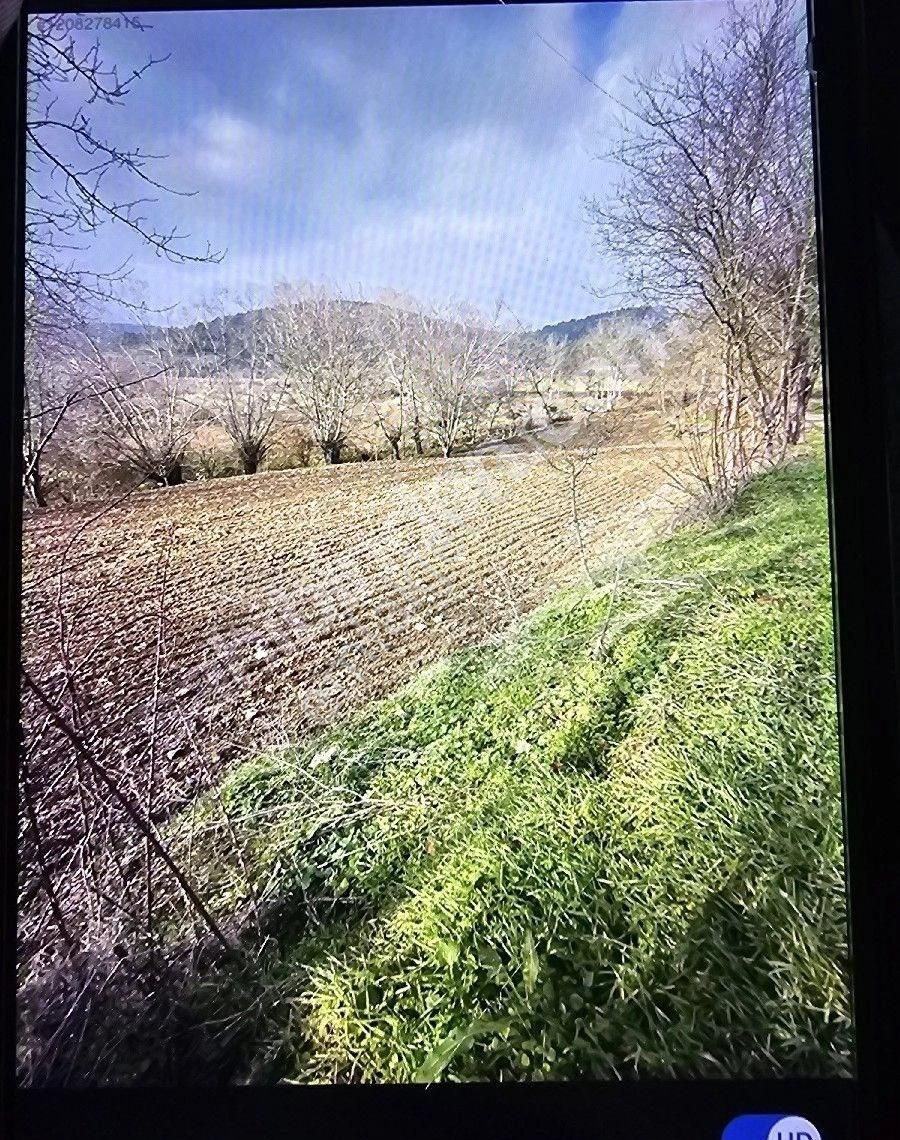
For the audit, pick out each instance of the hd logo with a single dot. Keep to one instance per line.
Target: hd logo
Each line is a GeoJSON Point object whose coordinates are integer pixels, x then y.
{"type": "Point", "coordinates": [771, 1128]}
{"type": "Point", "coordinates": [793, 1128]}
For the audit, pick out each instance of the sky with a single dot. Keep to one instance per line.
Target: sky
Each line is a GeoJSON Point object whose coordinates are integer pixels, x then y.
{"type": "Point", "coordinates": [445, 153]}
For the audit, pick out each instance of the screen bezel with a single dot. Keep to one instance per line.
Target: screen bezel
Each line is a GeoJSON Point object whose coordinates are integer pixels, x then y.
{"type": "Point", "coordinates": [860, 282]}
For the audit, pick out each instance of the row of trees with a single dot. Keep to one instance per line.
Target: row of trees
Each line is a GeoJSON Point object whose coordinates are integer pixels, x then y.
{"type": "Point", "coordinates": [337, 368]}
{"type": "Point", "coordinates": [428, 379]}
{"type": "Point", "coordinates": [713, 217]}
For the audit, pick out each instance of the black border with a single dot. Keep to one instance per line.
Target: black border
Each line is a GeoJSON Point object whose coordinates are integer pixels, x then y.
{"type": "Point", "coordinates": [856, 109]}
{"type": "Point", "coordinates": [855, 42]}
{"type": "Point", "coordinates": [12, 234]}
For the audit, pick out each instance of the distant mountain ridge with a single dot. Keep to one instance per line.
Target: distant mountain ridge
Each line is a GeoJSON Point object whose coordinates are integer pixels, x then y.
{"type": "Point", "coordinates": [115, 333]}
{"type": "Point", "coordinates": [222, 329]}
{"type": "Point", "coordinates": [580, 327]}
{"type": "Point", "coordinates": [127, 333]}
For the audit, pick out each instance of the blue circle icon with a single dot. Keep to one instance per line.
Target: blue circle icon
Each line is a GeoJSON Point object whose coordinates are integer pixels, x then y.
{"type": "Point", "coordinates": [794, 1128]}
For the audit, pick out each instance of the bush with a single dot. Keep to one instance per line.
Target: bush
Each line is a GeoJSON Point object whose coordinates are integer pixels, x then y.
{"type": "Point", "coordinates": [212, 463]}
{"type": "Point", "coordinates": [290, 448]}
{"type": "Point", "coordinates": [137, 1015]}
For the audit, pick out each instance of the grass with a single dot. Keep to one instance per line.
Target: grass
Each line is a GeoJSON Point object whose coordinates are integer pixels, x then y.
{"type": "Point", "coordinates": [608, 847]}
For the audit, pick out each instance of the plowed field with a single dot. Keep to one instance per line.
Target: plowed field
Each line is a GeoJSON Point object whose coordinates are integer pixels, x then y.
{"type": "Point", "coordinates": [309, 592]}
{"type": "Point", "coordinates": [201, 620]}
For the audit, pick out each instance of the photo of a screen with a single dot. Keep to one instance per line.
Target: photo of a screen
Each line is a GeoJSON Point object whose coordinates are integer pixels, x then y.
{"type": "Point", "coordinates": [428, 669]}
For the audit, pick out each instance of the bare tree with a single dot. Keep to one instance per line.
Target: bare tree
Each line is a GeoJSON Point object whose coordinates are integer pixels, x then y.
{"type": "Point", "coordinates": [52, 385]}
{"type": "Point", "coordinates": [245, 392]}
{"type": "Point", "coordinates": [714, 218]}
{"type": "Point", "coordinates": [250, 404]}
{"type": "Point", "coordinates": [149, 405]}
{"type": "Point", "coordinates": [390, 416]}
{"type": "Point", "coordinates": [456, 355]}
{"type": "Point", "coordinates": [323, 343]}
{"type": "Point", "coordinates": [613, 356]}
{"type": "Point", "coordinates": [574, 458]}
{"type": "Point", "coordinates": [76, 181]}
{"type": "Point", "coordinates": [396, 406]}
{"type": "Point", "coordinates": [446, 372]}
{"type": "Point", "coordinates": [66, 372]}
{"type": "Point", "coordinates": [720, 443]}
{"type": "Point", "coordinates": [542, 363]}
{"type": "Point", "coordinates": [494, 408]}
{"type": "Point", "coordinates": [75, 178]}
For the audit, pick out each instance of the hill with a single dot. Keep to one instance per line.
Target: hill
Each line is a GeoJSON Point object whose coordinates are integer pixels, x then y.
{"type": "Point", "coordinates": [580, 327]}
{"type": "Point", "coordinates": [113, 334]}
{"type": "Point", "coordinates": [230, 330]}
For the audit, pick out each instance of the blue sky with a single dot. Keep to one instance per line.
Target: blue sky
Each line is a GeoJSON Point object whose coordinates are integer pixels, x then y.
{"type": "Point", "coordinates": [441, 152]}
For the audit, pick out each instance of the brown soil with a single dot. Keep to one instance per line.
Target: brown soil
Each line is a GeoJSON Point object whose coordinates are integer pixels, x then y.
{"type": "Point", "coordinates": [290, 599]}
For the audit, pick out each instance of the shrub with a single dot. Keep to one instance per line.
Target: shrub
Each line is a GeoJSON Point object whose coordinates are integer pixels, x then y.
{"type": "Point", "coordinates": [291, 447]}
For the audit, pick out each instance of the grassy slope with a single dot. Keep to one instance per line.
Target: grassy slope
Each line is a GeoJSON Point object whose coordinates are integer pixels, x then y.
{"type": "Point", "coordinates": [610, 845]}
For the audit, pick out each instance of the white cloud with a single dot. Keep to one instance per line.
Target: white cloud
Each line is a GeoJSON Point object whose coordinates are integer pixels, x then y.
{"type": "Point", "coordinates": [647, 35]}
{"type": "Point", "coordinates": [422, 149]}
{"type": "Point", "coordinates": [225, 148]}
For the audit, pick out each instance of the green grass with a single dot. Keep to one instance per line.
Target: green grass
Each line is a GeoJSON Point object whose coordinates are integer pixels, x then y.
{"type": "Point", "coordinates": [609, 846]}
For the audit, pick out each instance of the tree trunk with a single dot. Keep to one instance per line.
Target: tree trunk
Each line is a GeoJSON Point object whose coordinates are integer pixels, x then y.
{"type": "Point", "coordinates": [251, 457]}
{"type": "Point", "coordinates": [395, 447]}
{"type": "Point", "coordinates": [800, 387]}
{"type": "Point", "coordinates": [332, 452]}
{"type": "Point", "coordinates": [34, 485]}
{"type": "Point", "coordinates": [576, 521]}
